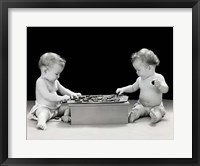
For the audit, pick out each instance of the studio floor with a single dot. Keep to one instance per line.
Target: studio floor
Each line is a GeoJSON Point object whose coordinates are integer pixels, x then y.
{"type": "Point", "coordinates": [141, 129]}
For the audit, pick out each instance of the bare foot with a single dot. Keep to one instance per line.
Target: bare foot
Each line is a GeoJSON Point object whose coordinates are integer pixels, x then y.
{"type": "Point", "coordinates": [41, 125]}
{"type": "Point", "coordinates": [155, 116]}
{"type": "Point", "coordinates": [132, 117]}
{"type": "Point", "coordinates": [66, 118]}
{"type": "Point", "coordinates": [154, 119]}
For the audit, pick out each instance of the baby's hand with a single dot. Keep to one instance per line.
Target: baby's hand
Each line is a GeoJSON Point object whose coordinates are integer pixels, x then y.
{"type": "Point", "coordinates": [75, 95]}
{"type": "Point", "coordinates": [119, 91]}
{"type": "Point", "coordinates": [78, 94]}
{"type": "Point", "coordinates": [157, 83]}
{"type": "Point", "coordinates": [65, 98]}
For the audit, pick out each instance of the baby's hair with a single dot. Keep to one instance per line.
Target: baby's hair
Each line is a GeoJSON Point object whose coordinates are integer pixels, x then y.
{"type": "Point", "coordinates": [48, 59]}
{"type": "Point", "coordinates": [147, 56]}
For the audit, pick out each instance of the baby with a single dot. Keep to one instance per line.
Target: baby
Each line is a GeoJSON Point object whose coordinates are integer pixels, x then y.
{"type": "Point", "coordinates": [151, 84]}
{"type": "Point", "coordinates": [48, 103]}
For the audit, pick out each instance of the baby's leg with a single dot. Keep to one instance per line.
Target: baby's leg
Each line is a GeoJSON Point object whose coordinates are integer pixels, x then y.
{"type": "Point", "coordinates": [137, 111]}
{"type": "Point", "coordinates": [157, 113]}
{"type": "Point", "coordinates": [64, 112]}
{"type": "Point", "coordinates": [43, 115]}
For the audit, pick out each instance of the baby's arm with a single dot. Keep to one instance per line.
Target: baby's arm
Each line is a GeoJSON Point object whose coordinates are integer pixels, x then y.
{"type": "Point", "coordinates": [129, 89]}
{"type": "Point", "coordinates": [43, 90]}
{"type": "Point", "coordinates": [65, 91]}
{"type": "Point", "coordinates": [161, 84]}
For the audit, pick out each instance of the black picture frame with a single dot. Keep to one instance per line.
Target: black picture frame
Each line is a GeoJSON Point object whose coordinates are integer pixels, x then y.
{"type": "Point", "coordinates": [6, 4]}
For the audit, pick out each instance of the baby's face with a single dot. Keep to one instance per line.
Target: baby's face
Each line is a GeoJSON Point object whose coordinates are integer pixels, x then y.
{"type": "Point", "coordinates": [53, 72]}
{"type": "Point", "coordinates": [141, 68]}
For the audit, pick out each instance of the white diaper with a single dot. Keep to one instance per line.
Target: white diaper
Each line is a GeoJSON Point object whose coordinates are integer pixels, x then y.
{"type": "Point", "coordinates": [53, 110]}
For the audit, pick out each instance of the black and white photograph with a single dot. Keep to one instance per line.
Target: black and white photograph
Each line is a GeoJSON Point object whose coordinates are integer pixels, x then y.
{"type": "Point", "coordinates": [100, 83]}
{"type": "Point", "coordinates": [104, 82]}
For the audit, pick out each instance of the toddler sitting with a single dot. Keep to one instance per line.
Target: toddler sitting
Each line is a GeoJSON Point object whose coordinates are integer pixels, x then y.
{"type": "Point", "coordinates": [151, 84]}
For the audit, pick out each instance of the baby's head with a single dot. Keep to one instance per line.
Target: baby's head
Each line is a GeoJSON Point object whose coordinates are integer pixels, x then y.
{"type": "Point", "coordinates": [146, 56]}
{"type": "Point", "coordinates": [49, 59]}
{"type": "Point", "coordinates": [144, 61]}
{"type": "Point", "coordinates": [51, 65]}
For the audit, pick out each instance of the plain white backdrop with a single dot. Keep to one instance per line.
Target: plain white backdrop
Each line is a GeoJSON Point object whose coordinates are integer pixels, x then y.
{"type": "Point", "coordinates": [180, 147]}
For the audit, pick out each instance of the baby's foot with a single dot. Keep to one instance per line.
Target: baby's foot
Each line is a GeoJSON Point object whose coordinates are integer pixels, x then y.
{"type": "Point", "coordinates": [156, 115]}
{"type": "Point", "coordinates": [132, 117]}
{"type": "Point", "coordinates": [154, 119]}
{"type": "Point", "coordinates": [41, 125]}
{"type": "Point", "coordinates": [66, 118]}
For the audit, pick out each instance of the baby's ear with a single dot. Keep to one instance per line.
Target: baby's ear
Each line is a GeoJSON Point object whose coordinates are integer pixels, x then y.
{"type": "Point", "coordinates": [151, 67]}
{"type": "Point", "coordinates": [44, 69]}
